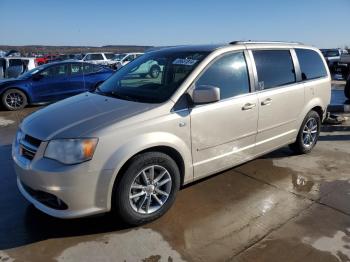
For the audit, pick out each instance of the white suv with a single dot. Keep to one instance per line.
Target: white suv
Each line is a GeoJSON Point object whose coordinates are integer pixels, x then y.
{"type": "Point", "coordinates": [100, 58]}
{"type": "Point", "coordinates": [123, 59]}
{"type": "Point", "coordinates": [12, 67]}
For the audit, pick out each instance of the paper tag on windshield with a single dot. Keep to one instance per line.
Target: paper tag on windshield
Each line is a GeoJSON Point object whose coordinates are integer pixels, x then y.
{"type": "Point", "coordinates": [188, 62]}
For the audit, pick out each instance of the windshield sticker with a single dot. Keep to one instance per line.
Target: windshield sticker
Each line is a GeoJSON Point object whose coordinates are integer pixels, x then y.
{"type": "Point", "coordinates": [188, 62]}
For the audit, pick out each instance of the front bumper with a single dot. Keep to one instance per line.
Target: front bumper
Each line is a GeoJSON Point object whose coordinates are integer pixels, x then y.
{"type": "Point", "coordinates": [82, 190]}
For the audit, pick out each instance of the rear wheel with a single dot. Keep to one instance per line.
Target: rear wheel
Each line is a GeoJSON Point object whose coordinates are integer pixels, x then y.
{"type": "Point", "coordinates": [308, 134]}
{"type": "Point", "coordinates": [147, 189]}
{"type": "Point", "coordinates": [14, 99]}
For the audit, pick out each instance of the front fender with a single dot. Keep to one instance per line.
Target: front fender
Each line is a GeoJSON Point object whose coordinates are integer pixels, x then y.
{"type": "Point", "coordinates": [143, 142]}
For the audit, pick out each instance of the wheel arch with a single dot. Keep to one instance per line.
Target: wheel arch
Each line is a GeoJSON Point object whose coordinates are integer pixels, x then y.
{"type": "Point", "coordinates": [168, 150]}
{"type": "Point", "coordinates": [315, 104]}
{"type": "Point", "coordinates": [318, 110]}
{"type": "Point", "coordinates": [18, 88]}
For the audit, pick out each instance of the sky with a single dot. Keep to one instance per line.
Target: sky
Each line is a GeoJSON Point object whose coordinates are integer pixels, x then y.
{"type": "Point", "coordinates": [322, 23]}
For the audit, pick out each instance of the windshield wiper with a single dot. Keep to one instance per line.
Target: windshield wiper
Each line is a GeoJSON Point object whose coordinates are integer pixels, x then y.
{"type": "Point", "coordinates": [123, 97]}
{"type": "Point", "coordinates": [115, 95]}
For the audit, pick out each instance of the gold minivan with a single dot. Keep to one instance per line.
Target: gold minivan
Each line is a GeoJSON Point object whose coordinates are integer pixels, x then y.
{"type": "Point", "coordinates": [133, 142]}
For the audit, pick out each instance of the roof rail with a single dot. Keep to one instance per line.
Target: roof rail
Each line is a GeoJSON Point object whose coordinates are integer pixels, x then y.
{"type": "Point", "coordinates": [263, 42]}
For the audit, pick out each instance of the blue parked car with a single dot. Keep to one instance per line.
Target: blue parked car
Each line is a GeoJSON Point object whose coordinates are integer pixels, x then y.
{"type": "Point", "coordinates": [51, 82]}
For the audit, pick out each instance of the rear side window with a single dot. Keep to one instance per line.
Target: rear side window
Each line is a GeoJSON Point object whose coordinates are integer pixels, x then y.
{"type": "Point", "coordinates": [275, 68]}
{"type": "Point", "coordinates": [15, 62]}
{"type": "Point", "coordinates": [311, 64]}
{"type": "Point", "coordinates": [109, 56]}
{"type": "Point", "coordinates": [94, 57]}
{"type": "Point", "coordinates": [229, 73]}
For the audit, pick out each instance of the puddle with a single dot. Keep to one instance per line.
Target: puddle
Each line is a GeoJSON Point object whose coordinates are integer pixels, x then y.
{"type": "Point", "coordinates": [135, 245]}
{"type": "Point", "coordinates": [5, 257]}
{"type": "Point", "coordinates": [338, 245]}
{"type": "Point", "coordinates": [5, 122]}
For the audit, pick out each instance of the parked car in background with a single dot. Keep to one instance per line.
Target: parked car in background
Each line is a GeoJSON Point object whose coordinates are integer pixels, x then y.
{"type": "Point", "coordinates": [2, 53]}
{"type": "Point", "coordinates": [342, 67]}
{"type": "Point", "coordinates": [51, 82]}
{"type": "Point", "coordinates": [332, 56]}
{"type": "Point", "coordinates": [131, 144]}
{"type": "Point", "coordinates": [347, 88]}
{"type": "Point", "coordinates": [123, 59]}
{"type": "Point", "coordinates": [12, 67]}
{"type": "Point", "coordinates": [64, 57]}
{"type": "Point", "coordinates": [151, 68]}
{"type": "Point", "coordinates": [44, 59]}
{"type": "Point", "coordinates": [100, 58]}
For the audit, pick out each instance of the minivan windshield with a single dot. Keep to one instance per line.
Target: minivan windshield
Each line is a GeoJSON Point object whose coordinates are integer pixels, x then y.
{"type": "Point", "coordinates": [153, 77]}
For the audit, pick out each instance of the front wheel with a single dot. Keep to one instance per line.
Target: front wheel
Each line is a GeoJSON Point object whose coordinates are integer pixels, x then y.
{"type": "Point", "coordinates": [14, 99]}
{"type": "Point", "coordinates": [308, 134]}
{"type": "Point", "coordinates": [147, 189]}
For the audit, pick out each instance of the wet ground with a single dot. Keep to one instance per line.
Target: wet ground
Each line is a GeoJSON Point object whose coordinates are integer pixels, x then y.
{"type": "Point", "coordinates": [281, 207]}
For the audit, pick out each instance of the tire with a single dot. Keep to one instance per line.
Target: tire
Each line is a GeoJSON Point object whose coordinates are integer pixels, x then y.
{"type": "Point", "coordinates": [347, 89]}
{"type": "Point", "coordinates": [307, 137]}
{"type": "Point", "coordinates": [14, 99]}
{"type": "Point", "coordinates": [154, 71]}
{"type": "Point", "coordinates": [133, 210]}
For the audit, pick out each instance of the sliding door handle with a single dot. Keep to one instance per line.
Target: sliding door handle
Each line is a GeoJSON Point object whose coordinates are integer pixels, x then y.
{"type": "Point", "coordinates": [248, 106]}
{"type": "Point", "coordinates": [266, 102]}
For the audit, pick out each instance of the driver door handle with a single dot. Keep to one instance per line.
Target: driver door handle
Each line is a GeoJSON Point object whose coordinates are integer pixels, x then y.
{"type": "Point", "coordinates": [266, 102]}
{"type": "Point", "coordinates": [248, 106]}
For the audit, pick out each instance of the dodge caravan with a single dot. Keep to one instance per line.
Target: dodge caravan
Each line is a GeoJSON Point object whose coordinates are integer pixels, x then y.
{"type": "Point", "coordinates": [131, 144]}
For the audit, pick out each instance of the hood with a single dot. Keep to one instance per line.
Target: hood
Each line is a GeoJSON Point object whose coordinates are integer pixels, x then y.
{"type": "Point", "coordinates": [77, 116]}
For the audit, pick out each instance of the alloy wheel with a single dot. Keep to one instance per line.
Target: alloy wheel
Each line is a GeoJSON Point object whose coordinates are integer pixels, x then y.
{"type": "Point", "coordinates": [150, 189]}
{"type": "Point", "coordinates": [310, 132]}
{"type": "Point", "coordinates": [14, 100]}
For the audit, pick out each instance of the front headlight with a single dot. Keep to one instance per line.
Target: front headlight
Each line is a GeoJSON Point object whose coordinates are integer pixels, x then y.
{"type": "Point", "coordinates": [71, 151]}
{"type": "Point", "coordinates": [19, 136]}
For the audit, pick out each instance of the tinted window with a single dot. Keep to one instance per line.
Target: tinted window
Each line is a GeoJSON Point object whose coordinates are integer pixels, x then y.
{"type": "Point", "coordinates": [229, 73]}
{"type": "Point", "coordinates": [15, 62]}
{"type": "Point", "coordinates": [109, 56]}
{"type": "Point", "coordinates": [55, 71]}
{"type": "Point", "coordinates": [96, 57]}
{"type": "Point", "coordinates": [76, 69]}
{"type": "Point", "coordinates": [274, 67]}
{"type": "Point", "coordinates": [129, 58]}
{"type": "Point", "coordinates": [311, 64]}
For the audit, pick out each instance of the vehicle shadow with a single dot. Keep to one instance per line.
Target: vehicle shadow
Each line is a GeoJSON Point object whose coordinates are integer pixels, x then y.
{"type": "Point", "coordinates": [21, 223]}
{"type": "Point", "coordinates": [33, 226]}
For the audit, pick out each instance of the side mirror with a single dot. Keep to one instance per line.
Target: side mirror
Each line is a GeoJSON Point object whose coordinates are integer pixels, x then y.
{"type": "Point", "coordinates": [205, 94]}
{"type": "Point", "coordinates": [38, 77]}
